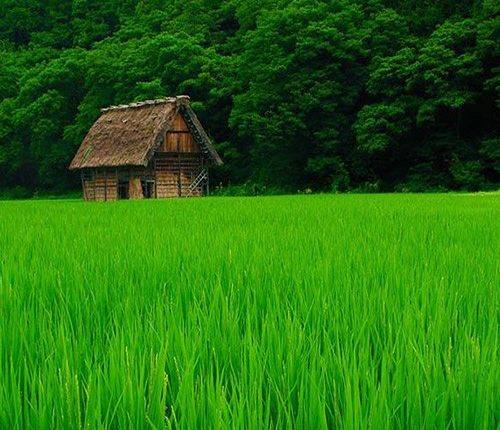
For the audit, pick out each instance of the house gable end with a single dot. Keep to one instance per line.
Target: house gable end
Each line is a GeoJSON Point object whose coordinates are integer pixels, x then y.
{"type": "Point", "coordinates": [129, 135]}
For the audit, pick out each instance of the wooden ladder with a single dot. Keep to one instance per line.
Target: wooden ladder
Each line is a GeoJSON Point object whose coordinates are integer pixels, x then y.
{"type": "Point", "coordinates": [199, 180]}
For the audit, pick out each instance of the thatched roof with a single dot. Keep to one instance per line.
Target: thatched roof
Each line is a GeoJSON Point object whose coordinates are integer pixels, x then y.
{"type": "Point", "coordinates": [128, 135]}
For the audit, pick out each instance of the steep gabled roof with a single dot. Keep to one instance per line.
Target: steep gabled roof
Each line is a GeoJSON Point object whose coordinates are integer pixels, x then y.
{"type": "Point", "coordinates": [128, 135]}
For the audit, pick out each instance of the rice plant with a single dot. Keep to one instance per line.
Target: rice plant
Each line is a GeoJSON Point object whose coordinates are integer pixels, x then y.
{"type": "Point", "coordinates": [348, 311]}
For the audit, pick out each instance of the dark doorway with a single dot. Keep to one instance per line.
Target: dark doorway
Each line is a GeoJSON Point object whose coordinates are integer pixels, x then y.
{"type": "Point", "coordinates": [148, 188]}
{"type": "Point", "coordinates": [123, 190]}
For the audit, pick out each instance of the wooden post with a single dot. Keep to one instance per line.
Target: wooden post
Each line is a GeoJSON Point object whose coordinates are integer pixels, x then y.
{"type": "Point", "coordinates": [179, 184]}
{"type": "Point", "coordinates": [93, 183]}
{"type": "Point", "coordinates": [105, 185]}
{"type": "Point", "coordinates": [202, 167]}
{"type": "Point", "coordinates": [83, 185]}
{"type": "Point", "coordinates": [154, 167]}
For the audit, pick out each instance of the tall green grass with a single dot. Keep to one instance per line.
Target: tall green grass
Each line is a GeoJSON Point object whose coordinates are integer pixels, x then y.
{"type": "Point", "coordinates": [306, 312]}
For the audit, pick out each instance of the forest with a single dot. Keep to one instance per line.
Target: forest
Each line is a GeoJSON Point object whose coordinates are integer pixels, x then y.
{"type": "Point", "coordinates": [298, 96]}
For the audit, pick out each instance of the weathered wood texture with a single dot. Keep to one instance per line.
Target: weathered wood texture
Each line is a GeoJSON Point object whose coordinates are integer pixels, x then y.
{"type": "Point", "coordinates": [173, 168]}
{"type": "Point", "coordinates": [178, 138]}
{"type": "Point", "coordinates": [174, 174]}
{"type": "Point", "coordinates": [100, 185]}
{"type": "Point", "coordinates": [135, 188]}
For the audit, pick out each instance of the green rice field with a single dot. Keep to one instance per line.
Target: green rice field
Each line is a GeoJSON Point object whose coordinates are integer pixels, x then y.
{"type": "Point", "coordinates": [294, 312]}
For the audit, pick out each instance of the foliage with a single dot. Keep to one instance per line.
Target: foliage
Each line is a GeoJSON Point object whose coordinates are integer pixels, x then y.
{"type": "Point", "coordinates": [248, 188]}
{"type": "Point", "coordinates": [313, 312]}
{"type": "Point", "coordinates": [328, 95]}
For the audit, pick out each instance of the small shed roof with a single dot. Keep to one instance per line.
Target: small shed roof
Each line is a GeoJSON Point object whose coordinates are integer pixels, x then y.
{"type": "Point", "coordinates": [128, 135]}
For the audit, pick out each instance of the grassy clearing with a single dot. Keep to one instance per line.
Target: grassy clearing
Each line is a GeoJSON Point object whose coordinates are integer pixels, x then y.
{"type": "Point", "coordinates": [306, 312]}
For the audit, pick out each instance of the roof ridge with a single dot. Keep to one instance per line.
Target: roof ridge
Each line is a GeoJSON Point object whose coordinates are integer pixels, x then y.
{"type": "Point", "coordinates": [177, 99]}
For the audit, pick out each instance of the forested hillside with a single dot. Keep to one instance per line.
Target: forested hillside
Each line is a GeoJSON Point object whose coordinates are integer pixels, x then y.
{"type": "Point", "coordinates": [329, 95]}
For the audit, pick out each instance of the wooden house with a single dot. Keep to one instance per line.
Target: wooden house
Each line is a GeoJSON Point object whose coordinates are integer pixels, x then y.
{"type": "Point", "coordinates": [152, 149]}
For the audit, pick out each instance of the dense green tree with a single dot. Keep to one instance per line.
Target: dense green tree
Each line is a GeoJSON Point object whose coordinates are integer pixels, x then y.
{"type": "Point", "coordinates": [330, 95]}
{"type": "Point", "coordinates": [435, 107]}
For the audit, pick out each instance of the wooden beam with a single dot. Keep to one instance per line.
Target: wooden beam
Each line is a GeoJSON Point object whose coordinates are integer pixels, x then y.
{"type": "Point", "coordinates": [93, 183]}
{"type": "Point", "coordinates": [83, 185]}
{"type": "Point", "coordinates": [154, 173]}
{"type": "Point", "coordinates": [105, 185]}
{"type": "Point", "coordinates": [179, 184]}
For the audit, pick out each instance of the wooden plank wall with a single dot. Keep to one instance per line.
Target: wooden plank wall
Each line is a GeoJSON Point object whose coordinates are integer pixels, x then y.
{"type": "Point", "coordinates": [175, 173]}
{"type": "Point", "coordinates": [166, 173]}
{"type": "Point", "coordinates": [175, 166]}
{"type": "Point", "coordinates": [178, 138]}
{"type": "Point", "coordinates": [100, 185]}
{"type": "Point", "coordinates": [135, 188]}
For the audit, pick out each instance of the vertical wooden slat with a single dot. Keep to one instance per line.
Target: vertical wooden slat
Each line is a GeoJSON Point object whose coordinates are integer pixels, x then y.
{"type": "Point", "coordinates": [105, 185]}
{"type": "Point", "coordinates": [93, 182]}
{"type": "Point", "coordinates": [179, 184]}
{"type": "Point", "coordinates": [156, 181]}
{"type": "Point", "coordinates": [83, 186]}
{"type": "Point", "coordinates": [202, 167]}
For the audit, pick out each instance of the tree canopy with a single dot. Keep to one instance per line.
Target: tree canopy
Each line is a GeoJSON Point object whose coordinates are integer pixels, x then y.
{"type": "Point", "coordinates": [375, 95]}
